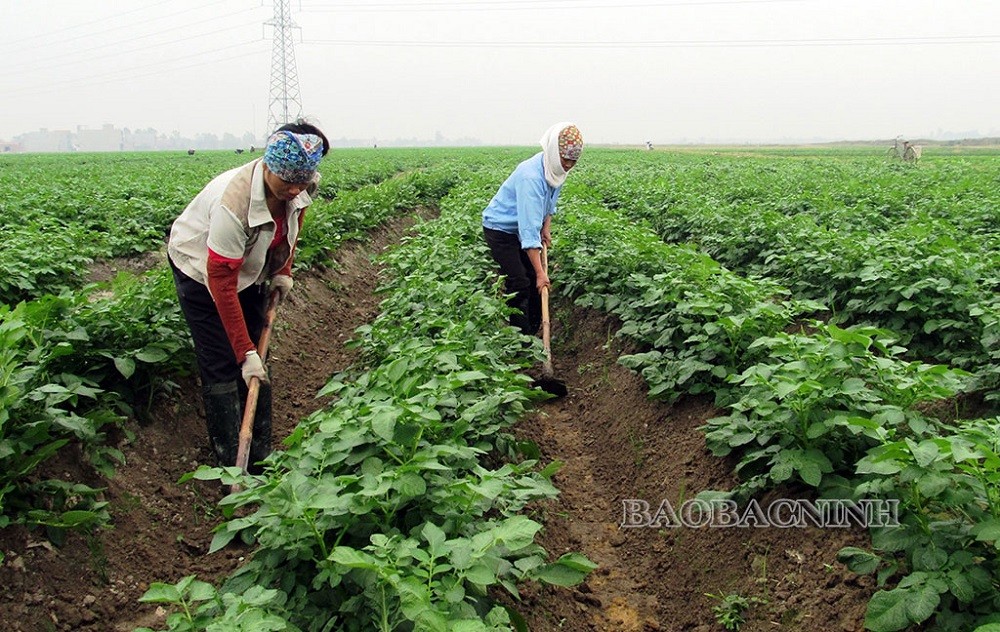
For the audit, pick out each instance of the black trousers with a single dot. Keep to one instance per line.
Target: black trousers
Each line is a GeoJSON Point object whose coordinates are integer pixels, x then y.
{"type": "Point", "coordinates": [216, 361]}
{"type": "Point", "coordinates": [520, 279]}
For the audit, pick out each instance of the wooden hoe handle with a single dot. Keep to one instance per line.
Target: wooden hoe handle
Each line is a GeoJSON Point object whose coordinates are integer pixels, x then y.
{"type": "Point", "coordinates": [547, 370]}
{"type": "Point", "coordinates": [253, 390]}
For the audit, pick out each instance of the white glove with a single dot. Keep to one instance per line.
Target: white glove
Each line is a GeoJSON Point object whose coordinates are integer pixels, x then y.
{"type": "Point", "coordinates": [281, 285]}
{"type": "Point", "coordinates": [253, 367]}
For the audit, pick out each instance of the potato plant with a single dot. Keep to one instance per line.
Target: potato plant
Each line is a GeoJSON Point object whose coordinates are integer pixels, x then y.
{"type": "Point", "coordinates": [910, 250]}
{"type": "Point", "coordinates": [389, 510]}
{"type": "Point", "coordinates": [833, 405]}
{"type": "Point", "coordinates": [79, 360]}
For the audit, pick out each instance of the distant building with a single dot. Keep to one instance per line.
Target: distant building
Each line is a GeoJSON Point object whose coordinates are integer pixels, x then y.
{"type": "Point", "coordinates": [111, 138]}
{"type": "Point", "coordinates": [45, 140]}
{"type": "Point", "coordinates": [108, 138]}
{"type": "Point", "coordinates": [140, 139]}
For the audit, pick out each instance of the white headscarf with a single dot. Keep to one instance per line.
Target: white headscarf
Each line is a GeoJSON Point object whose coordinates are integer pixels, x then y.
{"type": "Point", "coordinates": [555, 175]}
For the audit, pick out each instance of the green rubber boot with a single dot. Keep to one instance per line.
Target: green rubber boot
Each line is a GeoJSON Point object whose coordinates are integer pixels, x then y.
{"type": "Point", "coordinates": [223, 415]}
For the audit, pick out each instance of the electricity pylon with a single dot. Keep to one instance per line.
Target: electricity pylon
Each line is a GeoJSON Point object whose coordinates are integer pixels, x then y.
{"type": "Point", "coordinates": [286, 105]}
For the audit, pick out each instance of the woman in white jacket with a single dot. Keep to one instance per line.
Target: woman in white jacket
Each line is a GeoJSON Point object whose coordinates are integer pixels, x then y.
{"type": "Point", "coordinates": [229, 250]}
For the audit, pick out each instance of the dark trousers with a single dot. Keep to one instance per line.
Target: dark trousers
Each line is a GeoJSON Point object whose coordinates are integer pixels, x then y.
{"type": "Point", "coordinates": [216, 361]}
{"type": "Point", "coordinates": [520, 279]}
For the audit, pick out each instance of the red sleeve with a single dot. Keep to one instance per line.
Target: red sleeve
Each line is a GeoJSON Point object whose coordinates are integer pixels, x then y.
{"type": "Point", "coordinates": [287, 268]}
{"type": "Point", "coordinates": [223, 274]}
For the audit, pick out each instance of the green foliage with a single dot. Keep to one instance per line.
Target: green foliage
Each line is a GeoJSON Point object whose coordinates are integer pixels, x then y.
{"type": "Point", "coordinates": [195, 603]}
{"type": "Point", "coordinates": [947, 479]}
{"type": "Point", "coordinates": [41, 412]}
{"type": "Point", "coordinates": [697, 319]}
{"type": "Point", "coordinates": [988, 313]}
{"type": "Point", "coordinates": [820, 401]}
{"type": "Point", "coordinates": [136, 337]}
{"type": "Point", "coordinates": [41, 257]}
{"type": "Point", "coordinates": [381, 513]}
{"type": "Point", "coordinates": [730, 610]}
{"type": "Point", "coordinates": [910, 250]}
{"type": "Point", "coordinates": [75, 362]}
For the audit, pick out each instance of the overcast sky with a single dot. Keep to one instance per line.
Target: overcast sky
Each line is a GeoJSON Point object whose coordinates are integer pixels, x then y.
{"type": "Point", "coordinates": [502, 71]}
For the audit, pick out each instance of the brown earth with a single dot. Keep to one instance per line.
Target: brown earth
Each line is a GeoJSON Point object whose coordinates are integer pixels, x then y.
{"type": "Point", "coordinates": [615, 443]}
{"type": "Point", "coordinates": [162, 530]}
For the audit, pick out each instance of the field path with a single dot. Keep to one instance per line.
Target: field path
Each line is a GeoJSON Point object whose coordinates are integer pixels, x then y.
{"type": "Point", "coordinates": [617, 444]}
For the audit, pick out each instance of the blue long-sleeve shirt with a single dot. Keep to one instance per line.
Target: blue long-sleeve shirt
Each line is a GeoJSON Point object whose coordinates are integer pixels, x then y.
{"type": "Point", "coordinates": [522, 203]}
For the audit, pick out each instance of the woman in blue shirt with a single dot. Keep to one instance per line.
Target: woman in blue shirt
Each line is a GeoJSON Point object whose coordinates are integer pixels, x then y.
{"type": "Point", "coordinates": [516, 221]}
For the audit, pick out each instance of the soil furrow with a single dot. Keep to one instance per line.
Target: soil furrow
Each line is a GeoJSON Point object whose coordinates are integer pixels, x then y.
{"type": "Point", "coordinates": [618, 445]}
{"type": "Point", "coordinates": [162, 530]}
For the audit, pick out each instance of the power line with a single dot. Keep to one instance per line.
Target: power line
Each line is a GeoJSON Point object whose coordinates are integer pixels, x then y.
{"type": "Point", "coordinates": [50, 34]}
{"type": "Point", "coordinates": [130, 73]}
{"type": "Point", "coordinates": [119, 52]}
{"type": "Point", "coordinates": [847, 41]}
{"type": "Point", "coordinates": [525, 5]}
{"type": "Point", "coordinates": [133, 24]}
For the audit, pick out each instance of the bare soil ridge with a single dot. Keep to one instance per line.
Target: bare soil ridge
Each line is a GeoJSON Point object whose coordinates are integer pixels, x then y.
{"type": "Point", "coordinates": [162, 530]}
{"type": "Point", "coordinates": [615, 444]}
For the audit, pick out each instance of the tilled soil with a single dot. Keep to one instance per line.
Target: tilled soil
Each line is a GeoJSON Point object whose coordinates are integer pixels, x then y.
{"type": "Point", "coordinates": [162, 530]}
{"type": "Point", "coordinates": [615, 443]}
{"type": "Point", "coordinates": [618, 445]}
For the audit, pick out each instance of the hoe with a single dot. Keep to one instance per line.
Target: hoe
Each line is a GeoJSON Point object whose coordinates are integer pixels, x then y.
{"type": "Point", "coordinates": [547, 382]}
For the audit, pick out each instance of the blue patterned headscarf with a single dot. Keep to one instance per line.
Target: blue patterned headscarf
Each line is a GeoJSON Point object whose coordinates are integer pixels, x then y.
{"type": "Point", "coordinates": [293, 157]}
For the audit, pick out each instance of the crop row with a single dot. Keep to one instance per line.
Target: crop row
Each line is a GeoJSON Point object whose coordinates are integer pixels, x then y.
{"type": "Point", "coordinates": [381, 511]}
{"type": "Point", "coordinates": [809, 403]}
{"type": "Point", "coordinates": [916, 251]}
{"type": "Point", "coordinates": [384, 511]}
{"type": "Point", "coordinates": [60, 214]}
{"type": "Point", "coordinates": [74, 366]}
